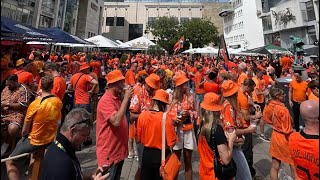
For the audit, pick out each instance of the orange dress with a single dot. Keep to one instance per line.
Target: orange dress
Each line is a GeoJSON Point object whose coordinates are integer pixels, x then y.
{"type": "Point", "coordinates": [206, 166]}
{"type": "Point", "coordinates": [277, 114]}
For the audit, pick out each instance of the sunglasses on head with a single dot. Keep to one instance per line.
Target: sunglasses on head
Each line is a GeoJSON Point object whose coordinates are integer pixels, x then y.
{"type": "Point", "coordinates": [80, 122]}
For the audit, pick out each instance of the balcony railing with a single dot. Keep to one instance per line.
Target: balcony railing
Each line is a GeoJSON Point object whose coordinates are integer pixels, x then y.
{"type": "Point", "coordinates": [308, 15]}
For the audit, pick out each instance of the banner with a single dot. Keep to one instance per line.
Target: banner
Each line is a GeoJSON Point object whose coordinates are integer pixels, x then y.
{"type": "Point", "coordinates": [224, 50]}
{"type": "Point", "coordinates": [178, 45]}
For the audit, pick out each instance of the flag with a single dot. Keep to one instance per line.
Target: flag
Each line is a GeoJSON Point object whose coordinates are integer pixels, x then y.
{"type": "Point", "coordinates": [224, 50]}
{"type": "Point", "coordinates": [178, 45]}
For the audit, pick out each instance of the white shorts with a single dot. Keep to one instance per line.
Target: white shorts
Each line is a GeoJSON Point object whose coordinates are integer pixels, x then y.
{"type": "Point", "coordinates": [186, 139]}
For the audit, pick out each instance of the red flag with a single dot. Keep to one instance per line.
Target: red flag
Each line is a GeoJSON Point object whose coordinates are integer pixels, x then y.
{"type": "Point", "coordinates": [178, 45]}
{"type": "Point", "coordinates": [224, 50]}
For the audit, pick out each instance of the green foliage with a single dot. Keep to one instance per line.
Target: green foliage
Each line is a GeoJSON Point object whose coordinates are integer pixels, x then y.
{"type": "Point", "coordinates": [123, 58]}
{"type": "Point", "coordinates": [168, 31]}
{"type": "Point", "coordinates": [155, 50]}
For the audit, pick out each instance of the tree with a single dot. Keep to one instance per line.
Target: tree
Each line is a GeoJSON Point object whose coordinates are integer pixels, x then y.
{"type": "Point", "coordinates": [155, 50]}
{"type": "Point", "coordinates": [166, 31]}
{"type": "Point", "coordinates": [200, 32]}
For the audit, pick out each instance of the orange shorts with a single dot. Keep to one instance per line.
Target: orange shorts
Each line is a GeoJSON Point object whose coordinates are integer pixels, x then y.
{"type": "Point", "coordinates": [131, 131]}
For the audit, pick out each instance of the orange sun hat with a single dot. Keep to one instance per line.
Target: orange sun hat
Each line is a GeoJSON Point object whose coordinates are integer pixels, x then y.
{"type": "Point", "coordinates": [211, 102]}
{"type": "Point", "coordinates": [114, 76]}
{"type": "Point", "coordinates": [84, 66]}
{"type": "Point", "coordinates": [229, 88]}
{"type": "Point", "coordinates": [181, 79]}
{"type": "Point", "coordinates": [161, 95]}
{"type": "Point", "coordinates": [153, 81]}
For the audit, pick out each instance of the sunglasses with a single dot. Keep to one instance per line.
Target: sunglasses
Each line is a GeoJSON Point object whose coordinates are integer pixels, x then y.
{"type": "Point", "coordinates": [80, 122]}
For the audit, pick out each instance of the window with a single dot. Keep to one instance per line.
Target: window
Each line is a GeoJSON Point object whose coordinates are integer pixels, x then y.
{"type": "Point", "coordinates": [135, 31]}
{"type": "Point", "coordinates": [151, 19]}
{"type": "Point", "coordinates": [109, 21]}
{"type": "Point", "coordinates": [120, 21]}
{"type": "Point", "coordinates": [310, 11]}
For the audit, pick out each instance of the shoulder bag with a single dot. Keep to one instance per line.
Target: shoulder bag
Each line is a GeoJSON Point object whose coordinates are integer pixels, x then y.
{"type": "Point", "coordinates": [170, 166]}
{"type": "Point", "coordinates": [222, 172]}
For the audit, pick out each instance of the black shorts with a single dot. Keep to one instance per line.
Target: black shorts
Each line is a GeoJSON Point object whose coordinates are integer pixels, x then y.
{"type": "Point", "coordinates": [24, 146]}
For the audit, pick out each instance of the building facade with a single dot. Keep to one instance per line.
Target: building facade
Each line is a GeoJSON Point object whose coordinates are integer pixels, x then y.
{"type": "Point", "coordinates": [282, 18]}
{"type": "Point", "coordinates": [125, 21]}
{"type": "Point", "coordinates": [242, 28]}
{"type": "Point", "coordinates": [64, 14]}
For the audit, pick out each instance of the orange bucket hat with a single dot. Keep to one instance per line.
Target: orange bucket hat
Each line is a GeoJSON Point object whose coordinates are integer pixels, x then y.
{"type": "Point", "coordinates": [84, 66]}
{"type": "Point", "coordinates": [114, 76]}
{"type": "Point", "coordinates": [19, 62]}
{"type": "Point", "coordinates": [161, 95]}
{"type": "Point", "coordinates": [153, 81]}
{"type": "Point", "coordinates": [142, 72]}
{"type": "Point", "coordinates": [181, 79]}
{"type": "Point", "coordinates": [211, 102]}
{"type": "Point", "coordinates": [229, 88]}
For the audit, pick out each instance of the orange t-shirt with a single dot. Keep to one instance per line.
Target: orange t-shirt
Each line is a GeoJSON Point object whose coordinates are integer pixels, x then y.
{"type": "Point", "coordinates": [299, 90]}
{"type": "Point", "coordinates": [44, 113]}
{"type": "Point", "coordinates": [304, 150]}
{"type": "Point", "coordinates": [285, 62]}
{"type": "Point", "coordinates": [130, 78]}
{"type": "Point", "coordinates": [24, 77]}
{"type": "Point", "coordinates": [313, 97]}
{"type": "Point", "coordinates": [96, 66]}
{"type": "Point", "coordinates": [211, 87]}
{"type": "Point", "coordinates": [81, 90]}
{"type": "Point", "coordinates": [229, 118]}
{"type": "Point", "coordinates": [59, 87]}
{"type": "Point", "coordinates": [149, 130]}
{"type": "Point", "coordinates": [260, 87]}
{"type": "Point", "coordinates": [197, 80]}
{"type": "Point", "coordinates": [243, 103]}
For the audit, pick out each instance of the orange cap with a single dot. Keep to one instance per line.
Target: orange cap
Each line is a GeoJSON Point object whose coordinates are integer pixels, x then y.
{"type": "Point", "coordinates": [211, 102]}
{"type": "Point", "coordinates": [114, 76]}
{"type": "Point", "coordinates": [161, 95]}
{"type": "Point", "coordinates": [142, 72]}
{"type": "Point", "coordinates": [181, 79]}
{"type": "Point", "coordinates": [153, 81]}
{"type": "Point", "coordinates": [84, 66]}
{"type": "Point", "coordinates": [19, 62]}
{"type": "Point", "coordinates": [229, 88]}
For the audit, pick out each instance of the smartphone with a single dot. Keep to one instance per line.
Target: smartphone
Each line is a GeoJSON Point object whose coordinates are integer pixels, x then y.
{"type": "Point", "coordinates": [106, 171]}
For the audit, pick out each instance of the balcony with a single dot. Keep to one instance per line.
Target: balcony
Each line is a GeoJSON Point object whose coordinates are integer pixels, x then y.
{"type": "Point", "coordinates": [225, 11]}
{"type": "Point", "coordinates": [308, 15]}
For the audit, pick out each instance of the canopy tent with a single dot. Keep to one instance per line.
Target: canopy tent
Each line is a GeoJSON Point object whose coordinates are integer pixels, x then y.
{"type": "Point", "coordinates": [18, 31]}
{"type": "Point", "coordinates": [64, 38]}
{"type": "Point", "coordinates": [122, 45]}
{"type": "Point", "coordinates": [102, 42]}
{"type": "Point", "coordinates": [140, 43]}
{"type": "Point", "coordinates": [269, 49]}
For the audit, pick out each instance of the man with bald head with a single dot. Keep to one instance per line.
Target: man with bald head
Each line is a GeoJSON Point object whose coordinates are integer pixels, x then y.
{"type": "Point", "coordinates": [304, 145]}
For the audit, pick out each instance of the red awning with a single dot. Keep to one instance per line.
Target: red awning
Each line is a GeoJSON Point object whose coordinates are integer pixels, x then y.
{"type": "Point", "coordinates": [10, 43]}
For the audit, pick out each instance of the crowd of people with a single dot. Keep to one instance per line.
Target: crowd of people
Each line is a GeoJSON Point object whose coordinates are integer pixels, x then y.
{"type": "Point", "coordinates": [210, 105]}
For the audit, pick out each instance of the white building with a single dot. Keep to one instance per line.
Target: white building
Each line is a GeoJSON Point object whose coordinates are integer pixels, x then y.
{"type": "Point", "coordinates": [282, 18]}
{"type": "Point", "coordinates": [242, 27]}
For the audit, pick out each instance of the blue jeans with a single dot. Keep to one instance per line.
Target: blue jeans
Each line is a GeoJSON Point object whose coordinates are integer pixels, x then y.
{"type": "Point", "coordinates": [115, 171]}
{"type": "Point", "coordinates": [199, 98]}
{"type": "Point", "coordinates": [85, 106]}
{"type": "Point", "coordinates": [243, 171]}
{"type": "Point", "coordinates": [191, 84]}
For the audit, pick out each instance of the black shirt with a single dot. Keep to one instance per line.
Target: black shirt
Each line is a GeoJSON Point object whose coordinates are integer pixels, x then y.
{"type": "Point", "coordinates": [60, 163]}
{"type": "Point", "coordinates": [217, 137]}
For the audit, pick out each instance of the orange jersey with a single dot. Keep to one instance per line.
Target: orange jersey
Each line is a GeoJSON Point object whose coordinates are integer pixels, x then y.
{"type": "Point", "coordinates": [130, 78]}
{"type": "Point", "coordinates": [148, 127]}
{"type": "Point", "coordinates": [24, 77]}
{"type": "Point", "coordinates": [304, 150]}
{"type": "Point", "coordinates": [198, 78]}
{"type": "Point", "coordinates": [299, 90]}
{"type": "Point", "coordinates": [81, 94]}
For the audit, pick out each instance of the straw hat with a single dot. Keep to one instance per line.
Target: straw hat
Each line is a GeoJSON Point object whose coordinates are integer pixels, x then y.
{"type": "Point", "coordinates": [161, 95]}
{"type": "Point", "coordinates": [153, 81]}
{"type": "Point", "coordinates": [84, 66]}
{"type": "Point", "coordinates": [229, 88]}
{"type": "Point", "coordinates": [211, 102]}
{"type": "Point", "coordinates": [20, 62]}
{"type": "Point", "coordinates": [181, 79]}
{"type": "Point", "coordinates": [114, 76]}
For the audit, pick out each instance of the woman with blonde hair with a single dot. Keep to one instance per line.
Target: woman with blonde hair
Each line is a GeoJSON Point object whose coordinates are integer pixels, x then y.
{"type": "Point", "coordinates": [182, 111]}
{"type": "Point", "coordinates": [277, 114]}
{"type": "Point", "coordinates": [212, 137]}
{"type": "Point", "coordinates": [231, 119]}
